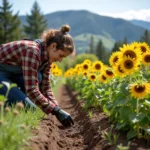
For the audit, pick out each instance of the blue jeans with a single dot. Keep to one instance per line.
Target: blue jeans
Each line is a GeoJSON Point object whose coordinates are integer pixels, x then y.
{"type": "Point", "coordinates": [13, 74]}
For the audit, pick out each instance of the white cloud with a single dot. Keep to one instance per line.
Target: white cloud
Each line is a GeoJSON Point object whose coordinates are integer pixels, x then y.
{"type": "Point", "coordinates": [143, 14]}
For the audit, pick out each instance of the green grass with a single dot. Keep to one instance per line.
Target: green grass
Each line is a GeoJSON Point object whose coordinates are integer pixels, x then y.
{"type": "Point", "coordinates": [15, 127]}
{"type": "Point", "coordinates": [59, 82]}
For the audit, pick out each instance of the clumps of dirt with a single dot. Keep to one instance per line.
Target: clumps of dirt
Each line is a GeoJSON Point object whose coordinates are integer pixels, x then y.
{"type": "Point", "coordinates": [86, 134]}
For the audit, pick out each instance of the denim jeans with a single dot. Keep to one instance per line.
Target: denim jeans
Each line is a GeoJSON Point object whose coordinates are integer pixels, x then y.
{"type": "Point", "coordinates": [13, 74]}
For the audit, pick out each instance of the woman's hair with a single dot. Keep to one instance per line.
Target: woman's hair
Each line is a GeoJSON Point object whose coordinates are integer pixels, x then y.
{"type": "Point", "coordinates": [63, 40]}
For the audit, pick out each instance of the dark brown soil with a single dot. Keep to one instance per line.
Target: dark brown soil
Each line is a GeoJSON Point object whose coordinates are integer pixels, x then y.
{"type": "Point", "coordinates": [85, 134]}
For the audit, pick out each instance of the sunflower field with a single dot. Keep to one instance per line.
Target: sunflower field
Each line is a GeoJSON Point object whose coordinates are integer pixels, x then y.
{"type": "Point", "coordinates": [121, 89]}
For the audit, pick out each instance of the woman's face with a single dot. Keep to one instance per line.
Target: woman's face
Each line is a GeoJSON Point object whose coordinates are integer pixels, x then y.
{"type": "Point", "coordinates": [56, 55]}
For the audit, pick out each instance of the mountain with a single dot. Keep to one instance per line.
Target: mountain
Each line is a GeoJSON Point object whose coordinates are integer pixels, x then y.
{"type": "Point", "coordinates": [144, 24]}
{"type": "Point", "coordinates": [83, 23]}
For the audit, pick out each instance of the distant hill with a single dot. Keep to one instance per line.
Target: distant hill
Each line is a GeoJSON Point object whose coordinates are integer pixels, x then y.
{"type": "Point", "coordinates": [83, 23]}
{"type": "Point", "coordinates": [144, 24]}
{"type": "Point", "coordinates": [83, 41]}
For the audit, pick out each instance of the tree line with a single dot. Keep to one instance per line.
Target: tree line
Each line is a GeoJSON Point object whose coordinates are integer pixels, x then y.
{"type": "Point", "coordinates": [10, 24]}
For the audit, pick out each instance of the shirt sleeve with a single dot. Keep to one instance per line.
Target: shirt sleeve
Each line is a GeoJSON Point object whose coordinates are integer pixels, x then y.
{"type": "Point", "coordinates": [30, 64]}
{"type": "Point", "coordinates": [45, 85]}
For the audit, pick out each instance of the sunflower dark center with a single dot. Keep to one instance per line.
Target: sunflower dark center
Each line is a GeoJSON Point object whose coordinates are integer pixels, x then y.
{"type": "Point", "coordinates": [108, 72]}
{"type": "Point", "coordinates": [98, 66]}
{"type": "Point", "coordinates": [128, 64]}
{"type": "Point", "coordinates": [147, 58]}
{"type": "Point", "coordinates": [130, 53]}
{"type": "Point", "coordinates": [143, 49]}
{"type": "Point", "coordinates": [85, 66]}
{"type": "Point", "coordinates": [120, 70]}
{"type": "Point", "coordinates": [85, 73]}
{"type": "Point", "coordinates": [139, 88]}
{"type": "Point", "coordinates": [92, 76]}
{"type": "Point", "coordinates": [115, 59]}
{"type": "Point", "coordinates": [103, 77]}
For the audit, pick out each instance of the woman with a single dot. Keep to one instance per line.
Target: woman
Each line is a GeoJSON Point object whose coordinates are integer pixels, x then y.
{"type": "Point", "coordinates": [27, 63]}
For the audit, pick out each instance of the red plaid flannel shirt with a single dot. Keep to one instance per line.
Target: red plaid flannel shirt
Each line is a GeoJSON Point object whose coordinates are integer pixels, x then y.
{"type": "Point", "coordinates": [27, 54]}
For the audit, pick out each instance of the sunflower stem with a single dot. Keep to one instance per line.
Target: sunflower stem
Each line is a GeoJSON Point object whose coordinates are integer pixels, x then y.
{"type": "Point", "coordinates": [137, 107]}
{"type": "Point", "coordinates": [137, 112]}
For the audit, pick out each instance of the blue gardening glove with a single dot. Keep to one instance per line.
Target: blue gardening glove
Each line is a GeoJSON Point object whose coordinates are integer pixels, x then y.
{"type": "Point", "coordinates": [62, 116]}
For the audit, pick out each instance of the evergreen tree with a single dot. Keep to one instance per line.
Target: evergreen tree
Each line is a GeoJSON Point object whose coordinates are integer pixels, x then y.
{"type": "Point", "coordinates": [36, 23]}
{"type": "Point", "coordinates": [101, 51]}
{"type": "Point", "coordinates": [9, 24]}
{"type": "Point", "coordinates": [91, 45]}
{"type": "Point", "coordinates": [146, 37]}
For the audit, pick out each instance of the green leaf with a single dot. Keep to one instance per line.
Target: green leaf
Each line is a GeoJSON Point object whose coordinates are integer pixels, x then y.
{"type": "Point", "coordinates": [106, 93]}
{"type": "Point", "coordinates": [133, 102]}
{"type": "Point", "coordinates": [147, 103]}
{"type": "Point", "coordinates": [144, 121]}
{"type": "Point", "coordinates": [131, 134]}
{"type": "Point", "coordinates": [109, 106]}
{"type": "Point", "coordinates": [137, 118]}
{"type": "Point", "coordinates": [120, 125]}
{"type": "Point", "coordinates": [124, 112]}
{"type": "Point", "coordinates": [120, 100]}
{"type": "Point", "coordinates": [147, 130]}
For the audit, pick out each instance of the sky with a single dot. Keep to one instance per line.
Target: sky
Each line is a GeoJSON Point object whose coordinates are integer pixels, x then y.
{"type": "Point", "coordinates": [125, 9]}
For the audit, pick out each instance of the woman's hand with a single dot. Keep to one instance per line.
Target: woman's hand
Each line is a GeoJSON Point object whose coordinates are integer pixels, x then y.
{"type": "Point", "coordinates": [64, 117]}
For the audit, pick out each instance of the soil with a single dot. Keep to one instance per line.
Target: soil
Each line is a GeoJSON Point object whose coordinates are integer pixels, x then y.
{"type": "Point", "coordinates": [85, 134]}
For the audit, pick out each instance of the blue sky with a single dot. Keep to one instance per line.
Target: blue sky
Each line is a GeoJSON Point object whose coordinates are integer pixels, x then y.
{"type": "Point", "coordinates": [126, 9]}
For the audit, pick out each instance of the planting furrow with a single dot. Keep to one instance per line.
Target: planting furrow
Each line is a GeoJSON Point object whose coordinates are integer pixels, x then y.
{"type": "Point", "coordinates": [86, 134]}
{"type": "Point", "coordinates": [51, 135]}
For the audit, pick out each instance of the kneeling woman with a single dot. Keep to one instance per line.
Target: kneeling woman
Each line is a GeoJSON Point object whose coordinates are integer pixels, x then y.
{"type": "Point", "coordinates": [27, 63]}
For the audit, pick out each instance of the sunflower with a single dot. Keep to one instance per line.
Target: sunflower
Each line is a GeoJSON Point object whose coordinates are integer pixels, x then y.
{"type": "Point", "coordinates": [92, 77]}
{"type": "Point", "coordinates": [134, 45]}
{"type": "Point", "coordinates": [129, 65]}
{"type": "Point", "coordinates": [139, 91]}
{"type": "Point", "coordinates": [85, 66]}
{"type": "Point", "coordinates": [97, 66]}
{"type": "Point", "coordinates": [74, 71]}
{"type": "Point", "coordinates": [119, 71]}
{"type": "Point", "coordinates": [87, 61]}
{"type": "Point", "coordinates": [68, 74]}
{"type": "Point", "coordinates": [54, 66]}
{"type": "Point", "coordinates": [108, 72]}
{"type": "Point", "coordinates": [85, 73]}
{"type": "Point", "coordinates": [146, 58]}
{"type": "Point", "coordinates": [130, 51]}
{"type": "Point", "coordinates": [57, 72]}
{"type": "Point", "coordinates": [114, 58]}
{"type": "Point", "coordinates": [102, 78]}
{"type": "Point", "coordinates": [144, 47]}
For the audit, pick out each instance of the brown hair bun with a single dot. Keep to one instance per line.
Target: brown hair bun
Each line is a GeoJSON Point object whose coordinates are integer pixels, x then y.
{"type": "Point", "coordinates": [65, 28]}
